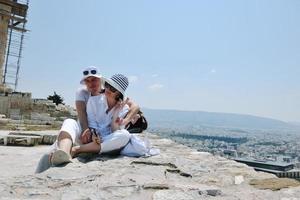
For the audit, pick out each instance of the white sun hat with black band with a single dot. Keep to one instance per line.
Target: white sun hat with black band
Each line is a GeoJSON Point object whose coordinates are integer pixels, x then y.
{"type": "Point", "coordinates": [119, 82]}
{"type": "Point", "coordinates": [90, 71]}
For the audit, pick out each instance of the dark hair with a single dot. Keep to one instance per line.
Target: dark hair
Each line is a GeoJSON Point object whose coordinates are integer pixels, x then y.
{"type": "Point", "coordinates": [119, 96]}
{"type": "Point", "coordinates": [102, 91]}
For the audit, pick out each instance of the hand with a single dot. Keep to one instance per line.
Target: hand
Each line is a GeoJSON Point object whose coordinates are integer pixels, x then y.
{"type": "Point", "coordinates": [74, 151]}
{"type": "Point", "coordinates": [96, 139]}
{"type": "Point", "coordinates": [124, 122]}
{"type": "Point", "coordinates": [117, 108]}
{"type": "Point", "coordinates": [120, 104]}
{"type": "Point", "coordinates": [86, 136]}
{"type": "Point", "coordinates": [135, 118]}
{"type": "Point", "coordinates": [119, 121]}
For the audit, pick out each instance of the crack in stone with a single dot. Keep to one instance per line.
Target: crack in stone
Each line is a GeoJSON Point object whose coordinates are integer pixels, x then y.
{"type": "Point", "coordinates": [171, 165]}
{"type": "Point", "coordinates": [178, 171]}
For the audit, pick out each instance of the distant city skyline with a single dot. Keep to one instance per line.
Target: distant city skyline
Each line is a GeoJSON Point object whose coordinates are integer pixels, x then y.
{"type": "Point", "coordinates": [218, 56]}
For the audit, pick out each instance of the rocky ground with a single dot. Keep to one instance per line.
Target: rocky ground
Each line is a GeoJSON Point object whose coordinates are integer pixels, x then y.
{"type": "Point", "coordinates": [177, 173]}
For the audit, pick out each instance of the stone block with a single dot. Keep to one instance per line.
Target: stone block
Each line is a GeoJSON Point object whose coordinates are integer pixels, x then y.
{"type": "Point", "coordinates": [238, 180]}
{"type": "Point", "coordinates": [211, 192]}
{"type": "Point", "coordinates": [22, 140]}
{"type": "Point", "coordinates": [46, 139]}
{"type": "Point", "coordinates": [274, 183]}
{"type": "Point", "coordinates": [4, 121]}
{"type": "Point", "coordinates": [2, 116]}
{"type": "Point", "coordinates": [49, 139]}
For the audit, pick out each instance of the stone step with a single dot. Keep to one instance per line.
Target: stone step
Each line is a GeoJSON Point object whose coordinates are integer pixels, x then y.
{"type": "Point", "coordinates": [47, 139]}
{"type": "Point", "coordinates": [21, 140]}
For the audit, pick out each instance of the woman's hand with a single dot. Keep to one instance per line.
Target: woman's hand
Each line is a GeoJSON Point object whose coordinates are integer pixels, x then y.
{"type": "Point", "coordinates": [119, 105]}
{"type": "Point", "coordinates": [96, 139]}
{"type": "Point", "coordinates": [86, 136]}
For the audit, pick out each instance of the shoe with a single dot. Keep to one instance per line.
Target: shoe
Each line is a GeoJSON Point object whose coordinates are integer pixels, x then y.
{"type": "Point", "coordinates": [60, 157]}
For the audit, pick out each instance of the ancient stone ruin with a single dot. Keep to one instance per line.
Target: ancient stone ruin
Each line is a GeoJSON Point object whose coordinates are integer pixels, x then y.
{"type": "Point", "coordinates": [17, 109]}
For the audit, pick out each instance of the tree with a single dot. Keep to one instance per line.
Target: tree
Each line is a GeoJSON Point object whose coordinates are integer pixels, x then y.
{"type": "Point", "coordinates": [57, 99]}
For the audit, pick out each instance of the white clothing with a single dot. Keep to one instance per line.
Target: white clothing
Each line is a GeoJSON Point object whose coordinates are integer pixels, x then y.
{"type": "Point", "coordinates": [115, 141]}
{"type": "Point", "coordinates": [110, 142]}
{"type": "Point", "coordinates": [82, 94]}
{"type": "Point", "coordinates": [73, 128]}
{"type": "Point", "coordinates": [97, 116]}
{"type": "Point", "coordinates": [137, 147]}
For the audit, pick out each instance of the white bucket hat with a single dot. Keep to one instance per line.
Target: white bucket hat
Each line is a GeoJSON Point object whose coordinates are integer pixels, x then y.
{"type": "Point", "coordinates": [119, 82]}
{"type": "Point", "coordinates": [90, 71]}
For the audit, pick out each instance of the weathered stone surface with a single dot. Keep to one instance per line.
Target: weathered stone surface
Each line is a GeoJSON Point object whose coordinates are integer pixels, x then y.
{"type": "Point", "coordinates": [46, 138]}
{"type": "Point", "coordinates": [49, 139]}
{"type": "Point", "coordinates": [158, 177]}
{"type": "Point", "coordinates": [2, 116]}
{"type": "Point", "coordinates": [4, 121]}
{"type": "Point", "coordinates": [238, 180]}
{"type": "Point", "coordinates": [213, 192]}
{"type": "Point", "coordinates": [156, 186]}
{"type": "Point", "coordinates": [175, 194]}
{"type": "Point", "coordinates": [274, 183]}
{"type": "Point", "coordinates": [23, 140]}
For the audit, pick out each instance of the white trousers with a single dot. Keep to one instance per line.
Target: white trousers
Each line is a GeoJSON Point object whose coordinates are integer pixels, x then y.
{"type": "Point", "coordinates": [111, 142]}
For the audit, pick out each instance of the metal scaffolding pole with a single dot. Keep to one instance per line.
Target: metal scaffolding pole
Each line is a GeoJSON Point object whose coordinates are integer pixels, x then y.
{"type": "Point", "coordinates": [17, 13]}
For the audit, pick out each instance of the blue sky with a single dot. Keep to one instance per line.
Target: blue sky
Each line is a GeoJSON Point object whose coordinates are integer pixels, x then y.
{"type": "Point", "coordinates": [213, 55]}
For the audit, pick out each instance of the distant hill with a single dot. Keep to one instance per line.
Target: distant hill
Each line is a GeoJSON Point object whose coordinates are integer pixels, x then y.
{"type": "Point", "coordinates": [295, 124]}
{"type": "Point", "coordinates": [175, 118]}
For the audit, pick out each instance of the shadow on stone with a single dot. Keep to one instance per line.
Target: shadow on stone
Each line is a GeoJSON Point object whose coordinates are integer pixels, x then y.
{"type": "Point", "coordinates": [89, 157]}
{"type": "Point", "coordinates": [45, 164]}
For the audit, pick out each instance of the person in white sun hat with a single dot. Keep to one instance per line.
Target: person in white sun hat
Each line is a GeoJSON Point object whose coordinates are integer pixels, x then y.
{"type": "Point", "coordinates": [78, 133]}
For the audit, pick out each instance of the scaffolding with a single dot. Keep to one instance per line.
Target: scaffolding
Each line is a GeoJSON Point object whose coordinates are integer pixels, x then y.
{"type": "Point", "coordinates": [13, 14]}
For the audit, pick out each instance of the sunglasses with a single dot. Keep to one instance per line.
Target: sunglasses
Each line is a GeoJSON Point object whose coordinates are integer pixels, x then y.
{"type": "Point", "coordinates": [111, 88]}
{"type": "Point", "coordinates": [86, 72]}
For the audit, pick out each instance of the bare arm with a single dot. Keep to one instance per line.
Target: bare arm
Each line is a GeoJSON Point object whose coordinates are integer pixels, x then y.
{"type": "Point", "coordinates": [82, 117]}
{"type": "Point", "coordinates": [117, 122]}
{"type": "Point", "coordinates": [133, 110]}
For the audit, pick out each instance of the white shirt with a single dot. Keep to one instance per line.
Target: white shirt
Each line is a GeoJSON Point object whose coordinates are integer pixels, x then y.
{"type": "Point", "coordinates": [98, 118]}
{"type": "Point", "coordinates": [82, 94]}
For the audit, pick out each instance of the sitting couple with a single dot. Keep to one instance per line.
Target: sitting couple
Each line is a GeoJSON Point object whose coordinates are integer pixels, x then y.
{"type": "Point", "coordinates": [103, 115]}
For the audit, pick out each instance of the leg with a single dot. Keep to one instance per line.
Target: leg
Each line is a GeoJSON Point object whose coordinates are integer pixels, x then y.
{"type": "Point", "coordinates": [115, 141]}
{"type": "Point", "coordinates": [68, 135]}
{"type": "Point", "coordinates": [64, 142]}
{"type": "Point", "coordinates": [63, 152]}
{"type": "Point", "coordinates": [91, 147]}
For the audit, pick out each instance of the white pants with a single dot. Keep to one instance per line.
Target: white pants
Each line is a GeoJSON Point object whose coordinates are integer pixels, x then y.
{"type": "Point", "coordinates": [111, 142]}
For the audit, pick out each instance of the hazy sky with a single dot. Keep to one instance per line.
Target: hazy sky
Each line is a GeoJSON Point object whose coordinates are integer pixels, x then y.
{"type": "Point", "coordinates": [209, 55]}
